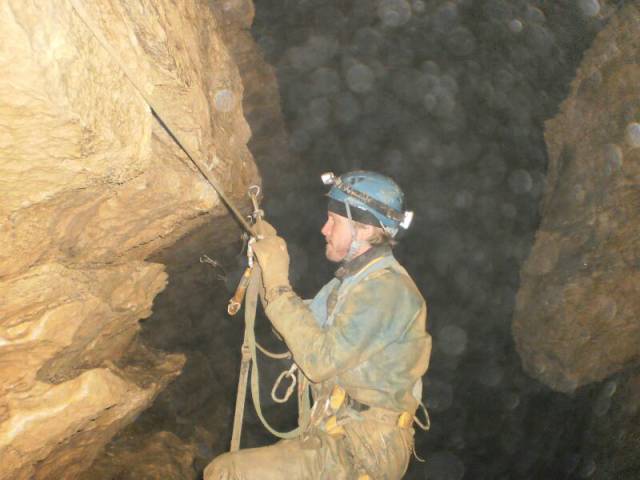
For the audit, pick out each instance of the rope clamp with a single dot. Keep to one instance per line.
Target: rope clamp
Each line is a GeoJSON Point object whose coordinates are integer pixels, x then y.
{"type": "Point", "coordinates": [236, 301]}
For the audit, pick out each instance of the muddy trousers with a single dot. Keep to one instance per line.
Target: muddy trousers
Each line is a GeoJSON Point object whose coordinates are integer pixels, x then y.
{"type": "Point", "coordinates": [380, 451]}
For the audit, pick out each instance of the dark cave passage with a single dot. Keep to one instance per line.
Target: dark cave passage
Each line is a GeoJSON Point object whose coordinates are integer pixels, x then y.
{"type": "Point", "coordinates": [449, 98]}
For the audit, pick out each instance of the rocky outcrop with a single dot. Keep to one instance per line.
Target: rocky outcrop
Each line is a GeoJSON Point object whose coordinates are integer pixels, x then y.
{"type": "Point", "coordinates": [189, 421]}
{"type": "Point", "coordinates": [91, 184]}
{"type": "Point", "coordinates": [576, 318]}
{"type": "Point", "coordinates": [261, 104]}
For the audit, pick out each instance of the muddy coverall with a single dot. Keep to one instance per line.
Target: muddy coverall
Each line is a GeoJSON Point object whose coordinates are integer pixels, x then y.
{"type": "Point", "coordinates": [364, 332]}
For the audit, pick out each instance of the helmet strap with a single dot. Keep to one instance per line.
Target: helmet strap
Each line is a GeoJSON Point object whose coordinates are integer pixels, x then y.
{"type": "Point", "coordinates": [389, 230]}
{"type": "Point", "coordinates": [355, 243]}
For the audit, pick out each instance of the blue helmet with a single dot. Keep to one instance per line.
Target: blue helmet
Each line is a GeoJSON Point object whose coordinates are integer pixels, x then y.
{"type": "Point", "coordinates": [369, 195]}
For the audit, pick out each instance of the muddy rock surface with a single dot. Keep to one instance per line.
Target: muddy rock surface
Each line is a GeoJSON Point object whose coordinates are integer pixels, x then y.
{"type": "Point", "coordinates": [576, 319]}
{"type": "Point", "coordinates": [189, 422]}
{"type": "Point", "coordinates": [91, 185]}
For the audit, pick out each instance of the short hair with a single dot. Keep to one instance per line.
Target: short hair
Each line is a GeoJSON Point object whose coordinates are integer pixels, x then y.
{"type": "Point", "coordinates": [379, 236]}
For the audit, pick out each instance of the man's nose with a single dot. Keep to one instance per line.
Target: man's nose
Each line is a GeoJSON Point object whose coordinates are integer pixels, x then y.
{"type": "Point", "coordinates": [325, 228]}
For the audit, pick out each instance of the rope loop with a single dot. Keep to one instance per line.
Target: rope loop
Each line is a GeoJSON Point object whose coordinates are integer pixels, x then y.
{"type": "Point", "coordinates": [427, 423]}
{"type": "Point", "coordinates": [276, 356]}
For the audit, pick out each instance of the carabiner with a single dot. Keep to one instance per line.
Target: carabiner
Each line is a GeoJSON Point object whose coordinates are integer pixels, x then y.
{"type": "Point", "coordinates": [294, 380]}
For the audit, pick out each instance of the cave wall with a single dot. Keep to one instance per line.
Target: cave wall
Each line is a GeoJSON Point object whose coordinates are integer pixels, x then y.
{"type": "Point", "coordinates": [90, 186]}
{"type": "Point", "coordinates": [189, 423]}
{"type": "Point", "coordinates": [576, 318]}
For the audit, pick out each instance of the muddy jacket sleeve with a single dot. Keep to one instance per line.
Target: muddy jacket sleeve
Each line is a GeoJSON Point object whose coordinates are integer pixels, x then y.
{"type": "Point", "coordinates": [377, 311]}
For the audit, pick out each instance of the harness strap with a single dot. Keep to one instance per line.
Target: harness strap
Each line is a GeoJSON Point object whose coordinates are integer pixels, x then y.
{"type": "Point", "coordinates": [304, 402]}
{"type": "Point", "coordinates": [251, 304]}
{"type": "Point", "coordinates": [241, 395]}
{"type": "Point", "coordinates": [339, 398]}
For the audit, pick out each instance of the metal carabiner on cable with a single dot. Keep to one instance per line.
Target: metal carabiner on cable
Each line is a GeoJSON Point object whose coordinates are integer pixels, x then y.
{"type": "Point", "coordinates": [258, 213]}
{"type": "Point", "coordinates": [236, 301]}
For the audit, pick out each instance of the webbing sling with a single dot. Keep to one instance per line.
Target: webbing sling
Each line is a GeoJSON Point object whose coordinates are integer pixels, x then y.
{"type": "Point", "coordinates": [249, 362]}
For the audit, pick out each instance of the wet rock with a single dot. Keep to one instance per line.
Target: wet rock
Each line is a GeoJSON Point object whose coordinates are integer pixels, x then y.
{"type": "Point", "coordinates": [91, 184]}
{"type": "Point", "coordinates": [187, 424]}
{"type": "Point", "coordinates": [94, 146]}
{"type": "Point", "coordinates": [577, 308]}
{"type": "Point", "coordinates": [65, 388]}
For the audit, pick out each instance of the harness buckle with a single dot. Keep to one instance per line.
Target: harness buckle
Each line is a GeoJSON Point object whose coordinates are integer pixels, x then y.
{"type": "Point", "coordinates": [337, 398]}
{"type": "Point", "coordinates": [333, 428]}
{"type": "Point", "coordinates": [405, 420]}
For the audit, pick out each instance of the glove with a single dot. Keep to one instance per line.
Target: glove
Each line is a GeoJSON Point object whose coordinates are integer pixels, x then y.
{"type": "Point", "coordinates": [273, 257]}
{"type": "Point", "coordinates": [264, 229]}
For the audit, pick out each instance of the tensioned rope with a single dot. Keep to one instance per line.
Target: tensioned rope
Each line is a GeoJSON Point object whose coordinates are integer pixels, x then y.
{"type": "Point", "coordinates": [249, 344]}
{"type": "Point", "coordinates": [200, 166]}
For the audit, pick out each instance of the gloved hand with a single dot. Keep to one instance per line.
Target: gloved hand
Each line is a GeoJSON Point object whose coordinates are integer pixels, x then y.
{"type": "Point", "coordinates": [273, 257]}
{"type": "Point", "coordinates": [264, 229]}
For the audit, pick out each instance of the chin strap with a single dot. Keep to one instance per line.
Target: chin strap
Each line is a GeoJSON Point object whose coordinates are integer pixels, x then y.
{"type": "Point", "coordinates": [355, 243]}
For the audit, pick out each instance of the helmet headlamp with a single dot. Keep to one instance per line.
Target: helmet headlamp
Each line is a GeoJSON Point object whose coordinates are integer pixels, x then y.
{"type": "Point", "coordinates": [406, 221]}
{"type": "Point", "coordinates": [328, 178]}
{"type": "Point", "coordinates": [371, 192]}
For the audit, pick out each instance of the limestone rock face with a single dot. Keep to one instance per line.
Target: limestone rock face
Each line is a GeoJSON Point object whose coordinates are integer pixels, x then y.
{"type": "Point", "coordinates": [577, 310]}
{"type": "Point", "coordinates": [91, 184]}
{"type": "Point", "coordinates": [191, 310]}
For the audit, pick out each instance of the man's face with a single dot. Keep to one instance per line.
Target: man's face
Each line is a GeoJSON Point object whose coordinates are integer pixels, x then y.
{"type": "Point", "coordinates": [337, 234]}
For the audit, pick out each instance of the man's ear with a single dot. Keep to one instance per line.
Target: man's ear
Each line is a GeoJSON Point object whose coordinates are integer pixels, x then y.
{"type": "Point", "coordinates": [365, 232]}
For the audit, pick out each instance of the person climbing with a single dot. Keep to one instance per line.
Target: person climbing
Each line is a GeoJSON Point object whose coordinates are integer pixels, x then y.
{"type": "Point", "coordinates": [362, 343]}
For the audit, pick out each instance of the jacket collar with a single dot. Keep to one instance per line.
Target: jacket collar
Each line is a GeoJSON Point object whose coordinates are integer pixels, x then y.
{"type": "Point", "coordinates": [350, 268]}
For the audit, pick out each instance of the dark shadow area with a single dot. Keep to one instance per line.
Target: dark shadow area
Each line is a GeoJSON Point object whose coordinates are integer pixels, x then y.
{"type": "Point", "coordinates": [448, 98]}
{"type": "Point", "coordinates": [190, 317]}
